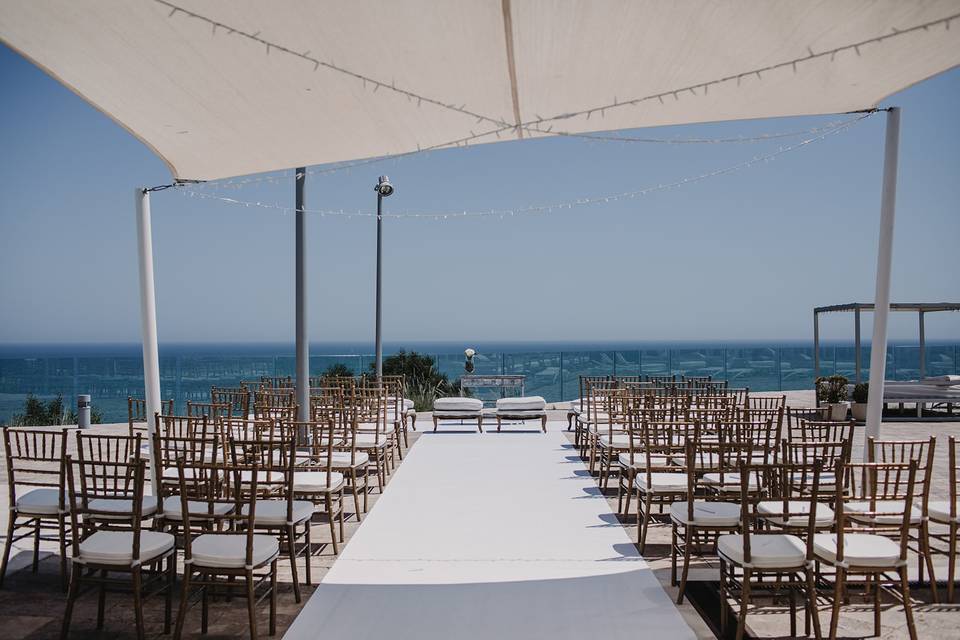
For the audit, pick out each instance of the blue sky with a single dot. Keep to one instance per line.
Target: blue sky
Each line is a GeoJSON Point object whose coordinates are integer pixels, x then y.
{"type": "Point", "coordinates": [744, 256]}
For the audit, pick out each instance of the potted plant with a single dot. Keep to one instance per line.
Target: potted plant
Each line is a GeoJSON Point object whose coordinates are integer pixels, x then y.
{"type": "Point", "coordinates": [468, 363]}
{"type": "Point", "coordinates": [859, 396]}
{"type": "Point", "coordinates": [832, 390]}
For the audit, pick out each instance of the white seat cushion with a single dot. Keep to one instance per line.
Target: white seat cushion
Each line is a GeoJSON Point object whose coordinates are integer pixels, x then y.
{"type": "Point", "coordinates": [618, 441]}
{"type": "Point", "coordinates": [462, 405]}
{"type": "Point", "coordinates": [528, 403]}
{"type": "Point", "coordinates": [41, 502]}
{"type": "Point", "coordinates": [799, 513]}
{"type": "Point", "coordinates": [662, 482]}
{"type": "Point", "coordinates": [370, 440]}
{"type": "Point", "coordinates": [341, 459]}
{"type": "Point", "coordinates": [122, 507]}
{"type": "Point", "coordinates": [408, 404]}
{"type": "Point", "coordinates": [940, 511]}
{"type": "Point", "coordinates": [731, 482]}
{"type": "Point", "coordinates": [273, 513]}
{"type": "Point", "coordinates": [230, 551]}
{"type": "Point", "coordinates": [199, 509]}
{"type": "Point", "coordinates": [116, 547]}
{"type": "Point", "coordinates": [892, 507]}
{"type": "Point", "coordinates": [707, 514]}
{"type": "Point", "coordinates": [640, 460]}
{"type": "Point", "coordinates": [316, 481]}
{"type": "Point", "coordinates": [767, 551]}
{"type": "Point", "coordinates": [859, 549]}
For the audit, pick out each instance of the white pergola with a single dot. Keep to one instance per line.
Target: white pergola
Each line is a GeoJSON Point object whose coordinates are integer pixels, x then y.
{"type": "Point", "coordinates": [221, 88]}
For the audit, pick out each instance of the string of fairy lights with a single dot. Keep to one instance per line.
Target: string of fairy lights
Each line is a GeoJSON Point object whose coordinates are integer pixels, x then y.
{"type": "Point", "coordinates": [537, 127]}
{"type": "Point", "coordinates": [548, 208]}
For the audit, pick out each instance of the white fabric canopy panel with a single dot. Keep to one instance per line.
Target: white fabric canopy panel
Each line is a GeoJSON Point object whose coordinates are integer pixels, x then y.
{"type": "Point", "coordinates": [222, 88]}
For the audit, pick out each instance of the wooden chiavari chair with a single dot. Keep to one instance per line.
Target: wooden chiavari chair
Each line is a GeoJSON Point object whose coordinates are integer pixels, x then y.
{"type": "Point", "coordinates": [697, 521]}
{"type": "Point", "coordinates": [578, 407]}
{"type": "Point", "coordinates": [829, 453]}
{"type": "Point", "coordinates": [35, 461]}
{"type": "Point", "coordinates": [278, 512]}
{"type": "Point", "coordinates": [796, 415]}
{"type": "Point", "coordinates": [947, 513]}
{"type": "Point", "coordinates": [633, 460]}
{"type": "Point", "coordinates": [661, 480]}
{"type": "Point", "coordinates": [315, 479]}
{"type": "Point", "coordinates": [238, 398]}
{"type": "Point", "coordinates": [367, 411]}
{"type": "Point", "coordinates": [328, 405]}
{"type": "Point", "coordinates": [111, 490]}
{"type": "Point", "coordinates": [873, 542]}
{"type": "Point", "coordinates": [601, 412]}
{"type": "Point", "coordinates": [211, 411]}
{"type": "Point", "coordinates": [918, 531]}
{"type": "Point", "coordinates": [230, 546]}
{"type": "Point", "coordinates": [760, 554]}
{"type": "Point", "coordinates": [137, 412]}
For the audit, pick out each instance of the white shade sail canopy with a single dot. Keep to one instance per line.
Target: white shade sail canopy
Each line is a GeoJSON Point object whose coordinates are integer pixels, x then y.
{"type": "Point", "coordinates": [221, 88]}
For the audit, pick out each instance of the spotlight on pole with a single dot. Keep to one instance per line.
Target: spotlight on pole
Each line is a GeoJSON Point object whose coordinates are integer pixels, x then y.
{"type": "Point", "coordinates": [384, 188]}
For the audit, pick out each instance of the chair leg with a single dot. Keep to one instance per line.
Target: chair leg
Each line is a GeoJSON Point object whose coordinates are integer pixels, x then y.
{"type": "Point", "coordinates": [62, 526]}
{"type": "Point", "coordinates": [907, 606]}
{"type": "Point", "coordinates": [309, 555]}
{"type": "Point", "coordinates": [273, 598]}
{"type": "Point", "coordinates": [74, 591]}
{"type": "Point", "coordinates": [480, 424]}
{"type": "Point", "coordinates": [837, 601]}
{"type": "Point", "coordinates": [333, 528]}
{"type": "Point", "coordinates": [6, 545]}
{"type": "Point", "coordinates": [252, 604]}
{"type": "Point", "coordinates": [952, 561]}
{"type": "Point", "coordinates": [744, 598]}
{"type": "Point", "coordinates": [687, 540]}
{"type": "Point", "coordinates": [101, 599]}
{"type": "Point", "coordinates": [171, 582]}
{"type": "Point", "coordinates": [812, 603]}
{"type": "Point", "coordinates": [340, 514]}
{"type": "Point", "coordinates": [138, 602]}
{"type": "Point", "coordinates": [499, 421]}
{"type": "Point", "coordinates": [292, 552]}
{"type": "Point", "coordinates": [435, 421]}
{"type": "Point", "coordinates": [928, 559]}
{"type": "Point", "coordinates": [184, 597]}
{"type": "Point", "coordinates": [36, 545]}
{"type": "Point", "coordinates": [876, 604]}
{"type": "Point", "coordinates": [205, 603]}
{"type": "Point", "coordinates": [673, 552]}
{"type": "Point", "coordinates": [644, 520]}
{"type": "Point", "coordinates": [356, 496]}
{"type": "Point", "coordinates": [724, 598]}
{"type": "Point", "coordinates": [629, 491]}
{"type": "Point", "coordinates": [543, 424]}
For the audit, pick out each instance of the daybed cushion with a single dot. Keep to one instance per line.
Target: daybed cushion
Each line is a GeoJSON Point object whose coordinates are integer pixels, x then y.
{"type": "Point", "coordinates": [528, 403]}
{"type": "Point", "coordinates": [942, 380]}
{"type": "Point", "coordinates": [465, 405]}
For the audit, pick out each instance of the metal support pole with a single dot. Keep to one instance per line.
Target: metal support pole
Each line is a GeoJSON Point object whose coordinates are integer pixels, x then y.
{"type": "Point", "coordinates": [379, 344]}
{"type": "Point", "coordinates": [148, 325]}
{"type": "Point", "coordinates": [881, 309]}
{"type": "Point", "coordinates": [856, 343]}
{"type": "Point", "coordinates": [303, 343]}
{"type": "Point", "coordinates": [816, 355]}
{"type": "Point", "coordinates": [923, 348]}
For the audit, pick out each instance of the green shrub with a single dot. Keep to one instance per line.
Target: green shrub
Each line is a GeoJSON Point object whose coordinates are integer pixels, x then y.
{"type": "Point", "coordinates": [37, 413]}
{"type": "Point", "coordinates": [338, 370]}
{"type": "Point", "coordinates": [860, 392]}
{"type": "Point", "coordinates": [424, 382]}
{"type": "Point", "coordinates": [832, 389]}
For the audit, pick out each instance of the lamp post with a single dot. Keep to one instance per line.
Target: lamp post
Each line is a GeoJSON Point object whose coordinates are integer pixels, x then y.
{"type": "Point", "coordinates": [383, 189]}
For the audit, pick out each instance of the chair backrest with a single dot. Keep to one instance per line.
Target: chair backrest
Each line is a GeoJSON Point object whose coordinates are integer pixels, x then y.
{"type": "Point", "coordinates": [323, 438]}
{"type": "Point", "coordinates": [201, 446]}
{"type": "Point", "coordinates": [275, 458]}
{"type": "Point", "coordinates": [100, 479]}
{"type": "Point", "coordinates": [815, 414]}
{"type": "Point", "coordinates": [660, 379]}
{"type": "Point", "coordinates": [796, 487]}
{"type": "Point", "coordinates": [903, 451]}
{"type": "Point", "coordinates": [35, 458]}
{"type": "Point", "coordinates": [210, 410]}
{"type": "Point", "coordinates": [237, 397]}
{"type": "Point", "coordinates": [820, 431]}
{"type": "Point", "coordinates": [277, 382]}
{"type": "Point", "coordinates": [270, 412]}
{"type": "Point", "coordinates": [889, 489]}
{"type": "Point", "coordinates": [137, 411]}
{"type": "Point", "coordinates": [106, 467]}
{"type": "Point", "coordinates": [182, 426]}
{"type": "Point", "coordinates": [766, 402]}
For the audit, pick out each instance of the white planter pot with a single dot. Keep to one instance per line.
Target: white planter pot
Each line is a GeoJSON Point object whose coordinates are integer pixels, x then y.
{"type": "Point", "coordinates": [838, 411]}
{"type": "Point", "coordinates": [859, 411]}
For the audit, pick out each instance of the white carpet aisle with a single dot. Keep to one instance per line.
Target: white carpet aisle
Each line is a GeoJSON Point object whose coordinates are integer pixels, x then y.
{"type": "Point", "coordinates": [490, 536]}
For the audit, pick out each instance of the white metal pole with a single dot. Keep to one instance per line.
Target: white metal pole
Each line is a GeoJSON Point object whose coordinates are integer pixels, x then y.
{"type": "Point", "coordinates": [378, 343]}
{"type": "Point", "coordinates": [303, 343]}
{"type": "Point", "coordinates": [881, 309]}
{"type": "Point", "coordinates": [148, 325]}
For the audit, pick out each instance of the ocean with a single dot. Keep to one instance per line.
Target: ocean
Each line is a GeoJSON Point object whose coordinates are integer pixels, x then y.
{"type": "Point", "coordinates": [112, 372]}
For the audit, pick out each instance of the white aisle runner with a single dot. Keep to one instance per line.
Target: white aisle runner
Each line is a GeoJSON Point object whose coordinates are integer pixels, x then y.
{"type": "Point", "coordinates": [490, 536]}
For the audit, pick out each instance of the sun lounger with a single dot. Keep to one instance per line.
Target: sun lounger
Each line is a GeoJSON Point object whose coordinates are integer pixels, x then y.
{"type": "Point", "coordinates": [458, 409]}
{"type": "Point", "coordinates": [526, 408]}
